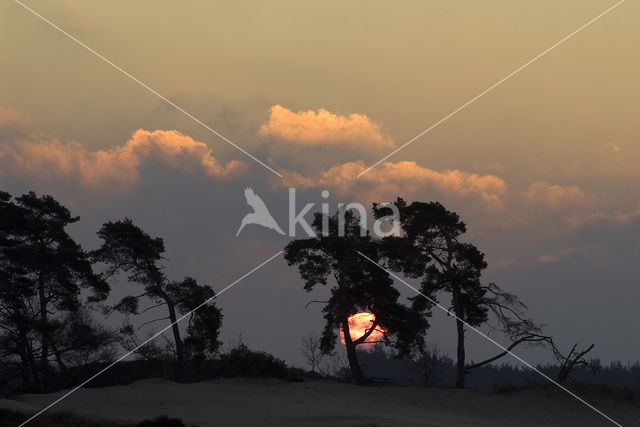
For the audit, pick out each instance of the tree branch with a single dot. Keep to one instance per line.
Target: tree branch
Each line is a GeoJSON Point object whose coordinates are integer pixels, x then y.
{"type": "Point", "coordinates": [153, 306]}
{"type": "Point", "coordinates": [151, 321]}
{"type": "Point", "coordinates": [526, 338]}
{"type": "Point", "coordinates": [367, 333]}
{"type": "Point", "coordinates": [315, 301]}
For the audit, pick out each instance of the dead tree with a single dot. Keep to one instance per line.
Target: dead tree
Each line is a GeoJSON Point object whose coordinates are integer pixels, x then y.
{"type": "Point", "coordinates": [509, 313]}
{"type": "Point", "coordinates": [311, 351]}
{"type": "Point", "coordinates": [429, 364]}
{"type": "Point", "coordinates": [573, 359]}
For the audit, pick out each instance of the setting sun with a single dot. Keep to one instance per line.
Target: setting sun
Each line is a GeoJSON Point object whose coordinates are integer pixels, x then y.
{"type": "Point", "coordinates": [360, 323]}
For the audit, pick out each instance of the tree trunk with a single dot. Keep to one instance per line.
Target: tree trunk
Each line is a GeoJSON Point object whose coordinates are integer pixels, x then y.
{"type": "Point", "coordinates": [33, 365]}
{"type": "Point", "coordinates": [24, 360]}
{"type": "Point", "coordinates": [460, 369]}
{"type": "Point", "coordinates": [352, 356]}
{"type": "Point", "coordinates": [177, 339]}
{"type": "Point", "coordinates": [61, 364]}
{"type": "Point", "coordinates": [460, 364]}
{"type": "Point", "coordinates": [44, 325]}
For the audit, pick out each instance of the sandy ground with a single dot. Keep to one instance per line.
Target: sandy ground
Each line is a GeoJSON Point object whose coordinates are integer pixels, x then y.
{"type": "Point", "coordinates": [245, 402]}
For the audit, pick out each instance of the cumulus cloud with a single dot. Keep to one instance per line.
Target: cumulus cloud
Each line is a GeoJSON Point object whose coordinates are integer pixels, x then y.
{"type": "Point", "coordinates": [310, 128]}
{"type": "Point", "coordinates": [313, 140]}
{"type": "Point", "coordinates": [557, 197]}
{"type": "Point", "coordinates": [47, 158]}
{"type": "Point", "coordinates": [403, 178]}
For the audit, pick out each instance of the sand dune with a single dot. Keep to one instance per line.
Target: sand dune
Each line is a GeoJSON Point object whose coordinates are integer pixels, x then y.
{"type": "Point", "coordinates": [247, 402]}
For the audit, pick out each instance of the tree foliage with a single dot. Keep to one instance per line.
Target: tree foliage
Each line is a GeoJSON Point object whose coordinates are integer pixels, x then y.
{"type": "Point", "coordinates": [42, 274]}
{"type": "Point", "coordinates": [357, 286]}
{"type": "Point", "coordinates": [430, 248]}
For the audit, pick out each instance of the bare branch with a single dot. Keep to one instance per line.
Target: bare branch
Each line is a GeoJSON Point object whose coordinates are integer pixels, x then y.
{"type": "Point", "coordinates": [529, 338]}
{"type": "Point", "coordinates": [153, 306]}
{"type": "Point", "coordinates": [573, 359]}
{"type": "Point", "coordinates": [315, 301]}
{"type": "Point", "coordinates": [367, 333]}
{"type": "Point", "coordinates": [151, 321]}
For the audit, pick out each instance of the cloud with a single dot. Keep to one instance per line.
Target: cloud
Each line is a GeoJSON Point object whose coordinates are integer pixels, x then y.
{"type": "Point", "coordinates": [501, 263]}
{"type": "Point", "coordinates": [14, 125]}
{"type": "Point", "coordinates": [9, 117]}
{"type": "Point", "coordinates": [555, 257]}
{"type": "Point", "coordinates": [389, 180]}
{"type": "Point", "coordinates": [595, 253]}
{"type": "Point", "coordinates": [614, 159]}
{"type": "Point", "coordinates": [603, 219]}
{"type": "Point", "coordinates": [310, 128]}
{"type": "Point", "coordinates": [47, 158]}
{"type": "Point", "coordinates": [313, 140]}
{"type": "Point", "coordinates": [556, 197]}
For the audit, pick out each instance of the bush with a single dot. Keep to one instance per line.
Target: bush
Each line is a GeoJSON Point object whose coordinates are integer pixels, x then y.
{"type": "Point", "coordinates": [162, 421]}
{"type": "Point", "coordinates": [243, 362]}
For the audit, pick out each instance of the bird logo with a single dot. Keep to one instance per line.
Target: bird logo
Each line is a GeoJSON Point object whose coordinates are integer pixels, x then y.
{"type": "Point", "coordinates": [260, 214]}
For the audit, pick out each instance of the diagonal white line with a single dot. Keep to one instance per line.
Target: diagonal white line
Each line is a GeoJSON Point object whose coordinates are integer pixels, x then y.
{"type": "Point", "coordinates": [479, 332]}
{"type": "Point", "coordinates": [490, 88]}
{"type": "Point", "coordinates": [165, 99]}
{"type": "Point", "coordinates": [67, 394]}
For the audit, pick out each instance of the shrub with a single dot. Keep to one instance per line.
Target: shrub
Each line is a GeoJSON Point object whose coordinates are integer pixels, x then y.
{"type": "Point", "coordinates": [243, 362]}
{"type": "Point", "coordinates": [162, 421]}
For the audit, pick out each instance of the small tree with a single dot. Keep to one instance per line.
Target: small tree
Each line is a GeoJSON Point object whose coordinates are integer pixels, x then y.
{"type": "Point", "coordinates": [85, 341]}
{"type": "Point", "coordinates": [358, 286]}
{"type": "Point", "coordinates": [311, 351]}
{"type": "Point", "coordinates": [127, 248]}
{"type": "Point", "coordinates": [204, 323]}
{"type": "Point", "coordinates": [336, 365]}
{"type": "Point", "coordinates": [429, 363]}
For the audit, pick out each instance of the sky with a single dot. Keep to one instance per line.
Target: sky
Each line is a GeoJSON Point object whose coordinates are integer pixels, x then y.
{"type": "Point", "coordinates": [542, 169]}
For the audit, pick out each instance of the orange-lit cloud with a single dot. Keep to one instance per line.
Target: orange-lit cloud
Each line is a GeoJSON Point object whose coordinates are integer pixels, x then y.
{"type": "Point", "coordinates": [49, 158]}
{"type": "Point", "coordinates": [13, 125]}
{"type": "Point", "coordinates": [403, 178]}
{"type": "Point", "coordinates": [616, 219]}
{"type": "Point", "coordinates": [10, 117]}
{"type": "Point", "coordinates": [310, 128]}
{"type": "Point", "coordinates": [556, 197]}
{"type": "Point", "coordinates": [553, 258]}
{"type": "Point", "coordinates": [595, 253]}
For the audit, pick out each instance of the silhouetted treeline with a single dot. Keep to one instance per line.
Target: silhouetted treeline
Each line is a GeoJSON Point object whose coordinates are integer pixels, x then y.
{"type": "Point", "coordinates": [380, 365]}
{"type": "Point", "coordinates": [54, 299]}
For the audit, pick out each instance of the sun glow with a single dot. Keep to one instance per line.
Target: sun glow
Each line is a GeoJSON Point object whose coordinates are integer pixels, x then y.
{"type": "Point", "coordinates": [360, 323]}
